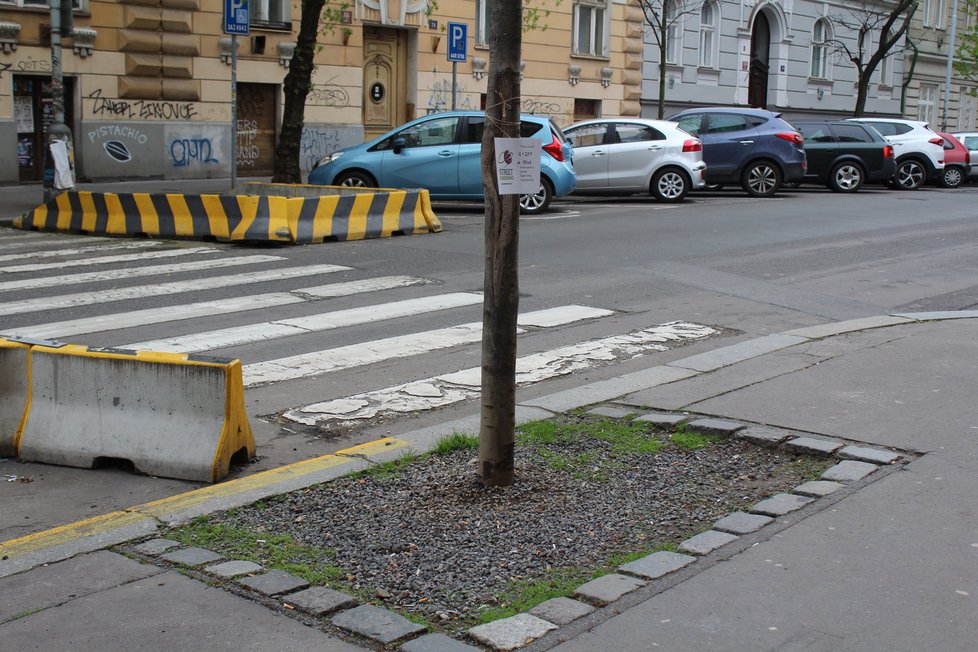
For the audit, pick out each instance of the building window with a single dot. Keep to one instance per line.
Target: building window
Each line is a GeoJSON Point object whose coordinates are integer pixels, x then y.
{"type": "Point", "coordinates": [927, 106]}
{"type": "Point", "coordinates": [482, 22]}
{"type": "Point", "coordinates": [820, 49]}
{"type": "Point", "coordinates": [77, 5]}
{"type": "Point", "coordinates": [934, 11]}
{"type": "Point", "coordinates": [591, 27]}
{"type": "Point", "coordinates": [886, 65]}
{"type": "Point", "coordinates": [709, 19]}
{"type": "Point", "coordinates": [966, 114]}
{"type": "Point", "coordinates": [271, 13]}
{"type": "Point", "coordinates": [674, 34]}
{"type": "Point", "coordinates": [584, 109]}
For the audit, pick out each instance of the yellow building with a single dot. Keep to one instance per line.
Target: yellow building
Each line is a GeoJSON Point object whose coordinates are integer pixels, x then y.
{"type": "Point", "coordinates": [148, 82]}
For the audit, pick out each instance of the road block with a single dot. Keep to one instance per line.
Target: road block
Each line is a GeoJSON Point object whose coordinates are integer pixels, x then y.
{"type": "Point", "coordinates": [14, 396]}
{"type": "Point", "coordinates": [169, 414]}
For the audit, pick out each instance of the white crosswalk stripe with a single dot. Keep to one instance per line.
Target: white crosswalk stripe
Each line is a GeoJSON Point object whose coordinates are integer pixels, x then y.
{"type": "Point", "coordinates": [4, 258]}
{"type": "Point", "coordinates": [105, 260]}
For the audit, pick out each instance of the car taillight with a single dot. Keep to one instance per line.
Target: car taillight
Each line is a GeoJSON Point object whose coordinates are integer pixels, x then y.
{"type": "Point", "coordinates": [792, 137]}
{"type": "Point", "coordinates": [888, 151]}
{"type": "Point", "coordinates": [693, 145]}
{"type": "Point", "coordinates": [967, 158]}
{"type": "Point", "coordinates": [937, 141]}
{"type": "Point", "coordinates": [555, 149]}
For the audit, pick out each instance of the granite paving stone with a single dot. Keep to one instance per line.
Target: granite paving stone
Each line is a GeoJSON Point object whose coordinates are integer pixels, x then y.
{"type": "Point", "coordinates": [234, 568]}
{"type": "Point", "coordinates": [657, 564]}
{"type": "Point", "coordinates": [274, 583]}
{"type": "Point", "coordinates": [706, 542]}
{"type": "Point", "coordinates": [612, 411]}
{"type": "Point", "coordinates": [762, 436]}
{"type": "Point", "coordinates": [377, 624]}
{"type": "Point", "coordinates": [813, 446]}
{"type": "Point", "coordinates": [741, 523]}
{"type": "Point", "coordinates": [561, 611]}
{"type": "Point", "coordinates": [607, 588]}
{"type": "Point", "coordinates": [436, 643]}
{"type": "Point", "coordinates": [817, 488]}
{"type": "Point", "coordinates": [663, 420]}
{"type": "Point", "coordinates": [511, 633]}
{"type": "Point", "coordinates": [781, 504]}
{"type": "Point", "coordinates": [872, 455]}
{"type": "Point", "coordinates": [191, 556]}
{"type": "Point", "coordinates": [320, 601]}
{"type": "Point", "coordinates": [715, 426]}
{"type": "Point", "coordinates": [849, 471]}
{"type": "Point", "coordinates": [155, 547]}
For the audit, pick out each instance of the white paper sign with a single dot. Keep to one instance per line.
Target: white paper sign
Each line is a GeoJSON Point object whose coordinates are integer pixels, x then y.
{"type": "Point", "coordinates": [64, 178]}
{"type": "Point", "coordinates": [517, 165]}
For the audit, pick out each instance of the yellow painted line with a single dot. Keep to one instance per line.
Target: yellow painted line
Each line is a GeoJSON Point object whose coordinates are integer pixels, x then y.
{"type": "Point", "coordinates": [70, 532]}
{"type": "Point", "coordinates": [148, 218]}
{"type": "Point", "coordinates": [266, 478]}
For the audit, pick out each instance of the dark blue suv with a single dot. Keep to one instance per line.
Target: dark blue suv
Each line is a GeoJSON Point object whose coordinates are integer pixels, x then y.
{"type": "Point", "coordinates": [752, 147]}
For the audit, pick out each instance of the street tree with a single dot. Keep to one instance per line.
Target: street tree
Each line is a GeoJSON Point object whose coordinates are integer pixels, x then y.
{"type": "Point", "coordinates": [966, 55]}
{"type": "Point", "coordinates": [879, 26]}
{"type": "Point", "coordinates": [497, 428]}
{"type": "Point", "coordinates": [663, 19]}
{"type": "Point", "coordinates": [318, 16]}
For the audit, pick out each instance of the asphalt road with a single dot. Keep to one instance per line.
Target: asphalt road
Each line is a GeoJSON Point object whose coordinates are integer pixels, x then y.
{"type": "Point", "coordinates": [747, 266]}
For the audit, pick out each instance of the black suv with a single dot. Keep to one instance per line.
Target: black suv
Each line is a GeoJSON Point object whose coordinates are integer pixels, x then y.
{"type": "Point", "coordinates": [844, 155]}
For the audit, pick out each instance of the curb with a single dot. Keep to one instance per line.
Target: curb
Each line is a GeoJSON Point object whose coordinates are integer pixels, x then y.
{"type": "Point", "coordinates": [18, 555]}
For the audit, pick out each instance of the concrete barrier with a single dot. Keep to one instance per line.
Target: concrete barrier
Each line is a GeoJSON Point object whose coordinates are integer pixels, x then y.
{"type": "Point", "coordinates": [169, 414]}
{"type": "Point", "coordinates": [269, 213]}
{"type": "Point", "coordinates": [14, 394]}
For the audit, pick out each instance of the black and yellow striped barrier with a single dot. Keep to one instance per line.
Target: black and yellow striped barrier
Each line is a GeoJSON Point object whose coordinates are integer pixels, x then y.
{"type": "Point", "coordinates": [169, 414]}
{"type": "Point", "coordinates": [251, 217]}
{"type": "Point", "coordinates": [14, 394]}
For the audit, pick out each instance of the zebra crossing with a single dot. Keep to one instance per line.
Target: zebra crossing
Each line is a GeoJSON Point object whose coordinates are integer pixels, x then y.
{"type": "Point", "coordinates": [43, 300]}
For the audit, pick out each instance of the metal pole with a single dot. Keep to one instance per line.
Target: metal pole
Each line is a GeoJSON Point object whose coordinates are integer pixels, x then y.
{"type": "Point", "coordinates": [234, 111]}
{"type": "Point", "coordinates": [454, 84]}
{"type": "Point", "coordinates": [57, 130]}
{"type": "Point", "coordinates": [950, 62]}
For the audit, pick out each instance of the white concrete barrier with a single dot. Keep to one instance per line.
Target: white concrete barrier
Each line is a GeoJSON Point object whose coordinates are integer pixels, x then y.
{"type": "Point", "coordinates": [169, 414]}
{"type": "Point", "coordinates": [14, 396]}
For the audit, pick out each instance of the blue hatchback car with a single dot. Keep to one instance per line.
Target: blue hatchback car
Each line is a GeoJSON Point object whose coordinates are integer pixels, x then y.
{"type": "Point", "coordinates": [752, 147]}
{"type": "Point", "coordinates": [442, 153]}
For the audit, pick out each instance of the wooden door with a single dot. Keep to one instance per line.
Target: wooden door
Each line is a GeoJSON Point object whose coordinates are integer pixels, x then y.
{"type": "Point", "coordinates": [384, 80]}
{"type": "Point", "coordinates": [256, 129]}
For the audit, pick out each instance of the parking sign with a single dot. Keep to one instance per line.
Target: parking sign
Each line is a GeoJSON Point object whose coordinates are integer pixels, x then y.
{"type": "Point", "coordinates": [236, 17]}
{"type": "Point", "coordinates": [457, 41]}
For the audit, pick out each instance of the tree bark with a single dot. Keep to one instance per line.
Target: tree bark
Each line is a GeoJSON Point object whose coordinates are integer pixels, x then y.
{"type": "Point", "coordinates": [497, 431]}
{"type": "Point", "coordinates": [286, 167]}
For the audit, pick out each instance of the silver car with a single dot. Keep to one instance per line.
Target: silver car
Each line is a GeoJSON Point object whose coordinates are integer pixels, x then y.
{"type": "Point", "coordinates": [634, 155]}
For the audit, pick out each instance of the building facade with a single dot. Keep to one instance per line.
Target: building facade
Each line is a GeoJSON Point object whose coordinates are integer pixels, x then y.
{"type": "Point", "coordinates": [148, 82]}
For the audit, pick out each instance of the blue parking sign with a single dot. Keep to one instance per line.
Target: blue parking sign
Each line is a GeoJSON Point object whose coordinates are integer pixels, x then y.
{"type": "Point", "coordinates": [236, 19]}
{"type": "Point", "coordinates": [458, 36]}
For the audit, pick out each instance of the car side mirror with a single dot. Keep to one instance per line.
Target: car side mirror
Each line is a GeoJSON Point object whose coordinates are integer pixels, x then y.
{"type": "Point", "coordinates": [399, 144]}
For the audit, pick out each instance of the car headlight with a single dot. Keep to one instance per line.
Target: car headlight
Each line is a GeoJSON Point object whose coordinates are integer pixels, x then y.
{"type": "Point", "coordinates": [329, 158]}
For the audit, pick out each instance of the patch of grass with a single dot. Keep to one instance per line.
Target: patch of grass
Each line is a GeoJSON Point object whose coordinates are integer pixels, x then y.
{"type": "Point", "coordinates": [810, 468]}
{"type": "Point", "coordinates": [386, 470]}
{"type": "Point", "coordinates": [523, 596]}
{"type": "Point", "coordinates": [693, 440]}
{"type": "Point", "coordinates": [268, 549]}
{"type": "Point", "coordinates": [457, 441]}
{"type": "Point", "coordinates": [626, 437]}
{"type": "Point", "coordinates": [25, 614]}
{"type": "Point", "coordinates": [541, 433]}
{"type": "Point", "coordinates": [554, 460]}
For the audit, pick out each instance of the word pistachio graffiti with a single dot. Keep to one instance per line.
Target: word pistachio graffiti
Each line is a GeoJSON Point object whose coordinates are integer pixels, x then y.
{"type": "Point", "coordinates": [141, 109]}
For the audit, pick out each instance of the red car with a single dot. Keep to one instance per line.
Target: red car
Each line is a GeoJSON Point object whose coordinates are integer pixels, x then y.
{"type": "Point", "coordinates": [957, 162]}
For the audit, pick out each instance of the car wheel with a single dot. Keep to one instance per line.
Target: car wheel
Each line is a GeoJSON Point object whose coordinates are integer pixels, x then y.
{"type": "Point", "coordinates": [846, 177]}
{"type": "Point", "coordinates": [761, 179]}
{"type": "Point", "coordinates": [952, 177]}
{"type": "Point", "coordinates": [355, 180]}
{"type": "Point", "coordinates": [910, 175]}
{"type": "Point", "coordinates": [539, 201]}
{"type": "Point", "coordinates": [669, 185]}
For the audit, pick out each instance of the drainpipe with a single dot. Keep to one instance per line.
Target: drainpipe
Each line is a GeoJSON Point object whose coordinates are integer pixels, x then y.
{"type": "Point", "coordinates": [909, 77]}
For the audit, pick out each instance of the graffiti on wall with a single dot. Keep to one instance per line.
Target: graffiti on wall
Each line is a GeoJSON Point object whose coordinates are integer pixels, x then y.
{"type": "Point", "coordinates": [538, 107]}
{"type": "Point", "coordinates": [441, 97]}
{"type": "Point", "coordinates": [30, 64]}
{"type": "Point", "coordinates": [249, 151]}
{"type": "Point", "coordinates": [316, 143]}
{"type": "Point", "coordinates": [141, 109]}
{"type": "Point", "coordinates": [116, 140]}
{"type": "Point", "coordinates": [186, 152]}
{"type": "Point", "coordinates": [328, 94]}
{"type": "Point", "coordinates": [4, 67]}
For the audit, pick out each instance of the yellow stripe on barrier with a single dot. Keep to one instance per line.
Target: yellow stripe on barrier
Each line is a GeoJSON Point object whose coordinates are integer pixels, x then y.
{"type": "Point", "coordinates": [322, 226]}
{"type": "Point", "coordinates": [392, 212]}
{"type": "Point", "coordinates": [63, 205]}
{"type": "Point", "coordinates": [148, 218]}
{"type": "Point", "coordinates": [116, 222]}
{"type": "Point", "coordinates": [248, 207]}
{"type": "Point", "coordinates": [216, 217]}
{"type": "Point", "coordinates": [88, 211]}
{"type": "Point", "coordinates": [357, 228]}
{"type": "Point", "coordinates": [183, 221]}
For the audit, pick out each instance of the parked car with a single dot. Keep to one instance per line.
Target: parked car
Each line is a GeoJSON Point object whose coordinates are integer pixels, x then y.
{"type": "Point", "coordinates": [631, 155]}
{"type": "Point", "coordinates": [752, 147]}
{"type": "Point", "coordinates": [957, 162]}
{"type": "Point", "coordinates": [970, 141]}
{"type": "Point", "coordinates": [919, 150]}
{"type": "Point", "coordinates": [442, 152]}
{"type": "Point", "coordinates": [844, 155]}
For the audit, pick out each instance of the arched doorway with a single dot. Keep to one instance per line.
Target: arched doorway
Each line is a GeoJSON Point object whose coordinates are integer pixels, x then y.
{"type": "Point", "coordinates": [384, 80]}
{"type": "Point", "coordinates": [760, 55]}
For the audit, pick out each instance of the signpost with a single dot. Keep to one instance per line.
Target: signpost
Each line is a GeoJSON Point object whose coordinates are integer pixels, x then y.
{"type": "Point", "coordinates": [236, 21]}
{"type": "Point", "coordinates": [458, 39]}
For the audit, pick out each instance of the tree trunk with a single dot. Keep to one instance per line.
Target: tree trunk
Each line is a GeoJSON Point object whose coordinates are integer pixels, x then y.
{"type": "Point", "coordinates": [286, 167]}
{"type": "Point", "coordinates": [861, 94]}
{"type": "Point", "coordinates": [497, 431]}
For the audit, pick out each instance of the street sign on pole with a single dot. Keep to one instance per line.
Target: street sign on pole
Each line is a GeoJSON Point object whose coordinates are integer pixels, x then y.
{"type": "Point", "coordinates": [236, 17]}
{"type": "Point", "coordinates": [457, 41]}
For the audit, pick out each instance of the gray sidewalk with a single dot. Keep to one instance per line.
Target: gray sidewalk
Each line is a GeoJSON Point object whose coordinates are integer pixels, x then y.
{"type": "Point", "coordinates": [890, 565]}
